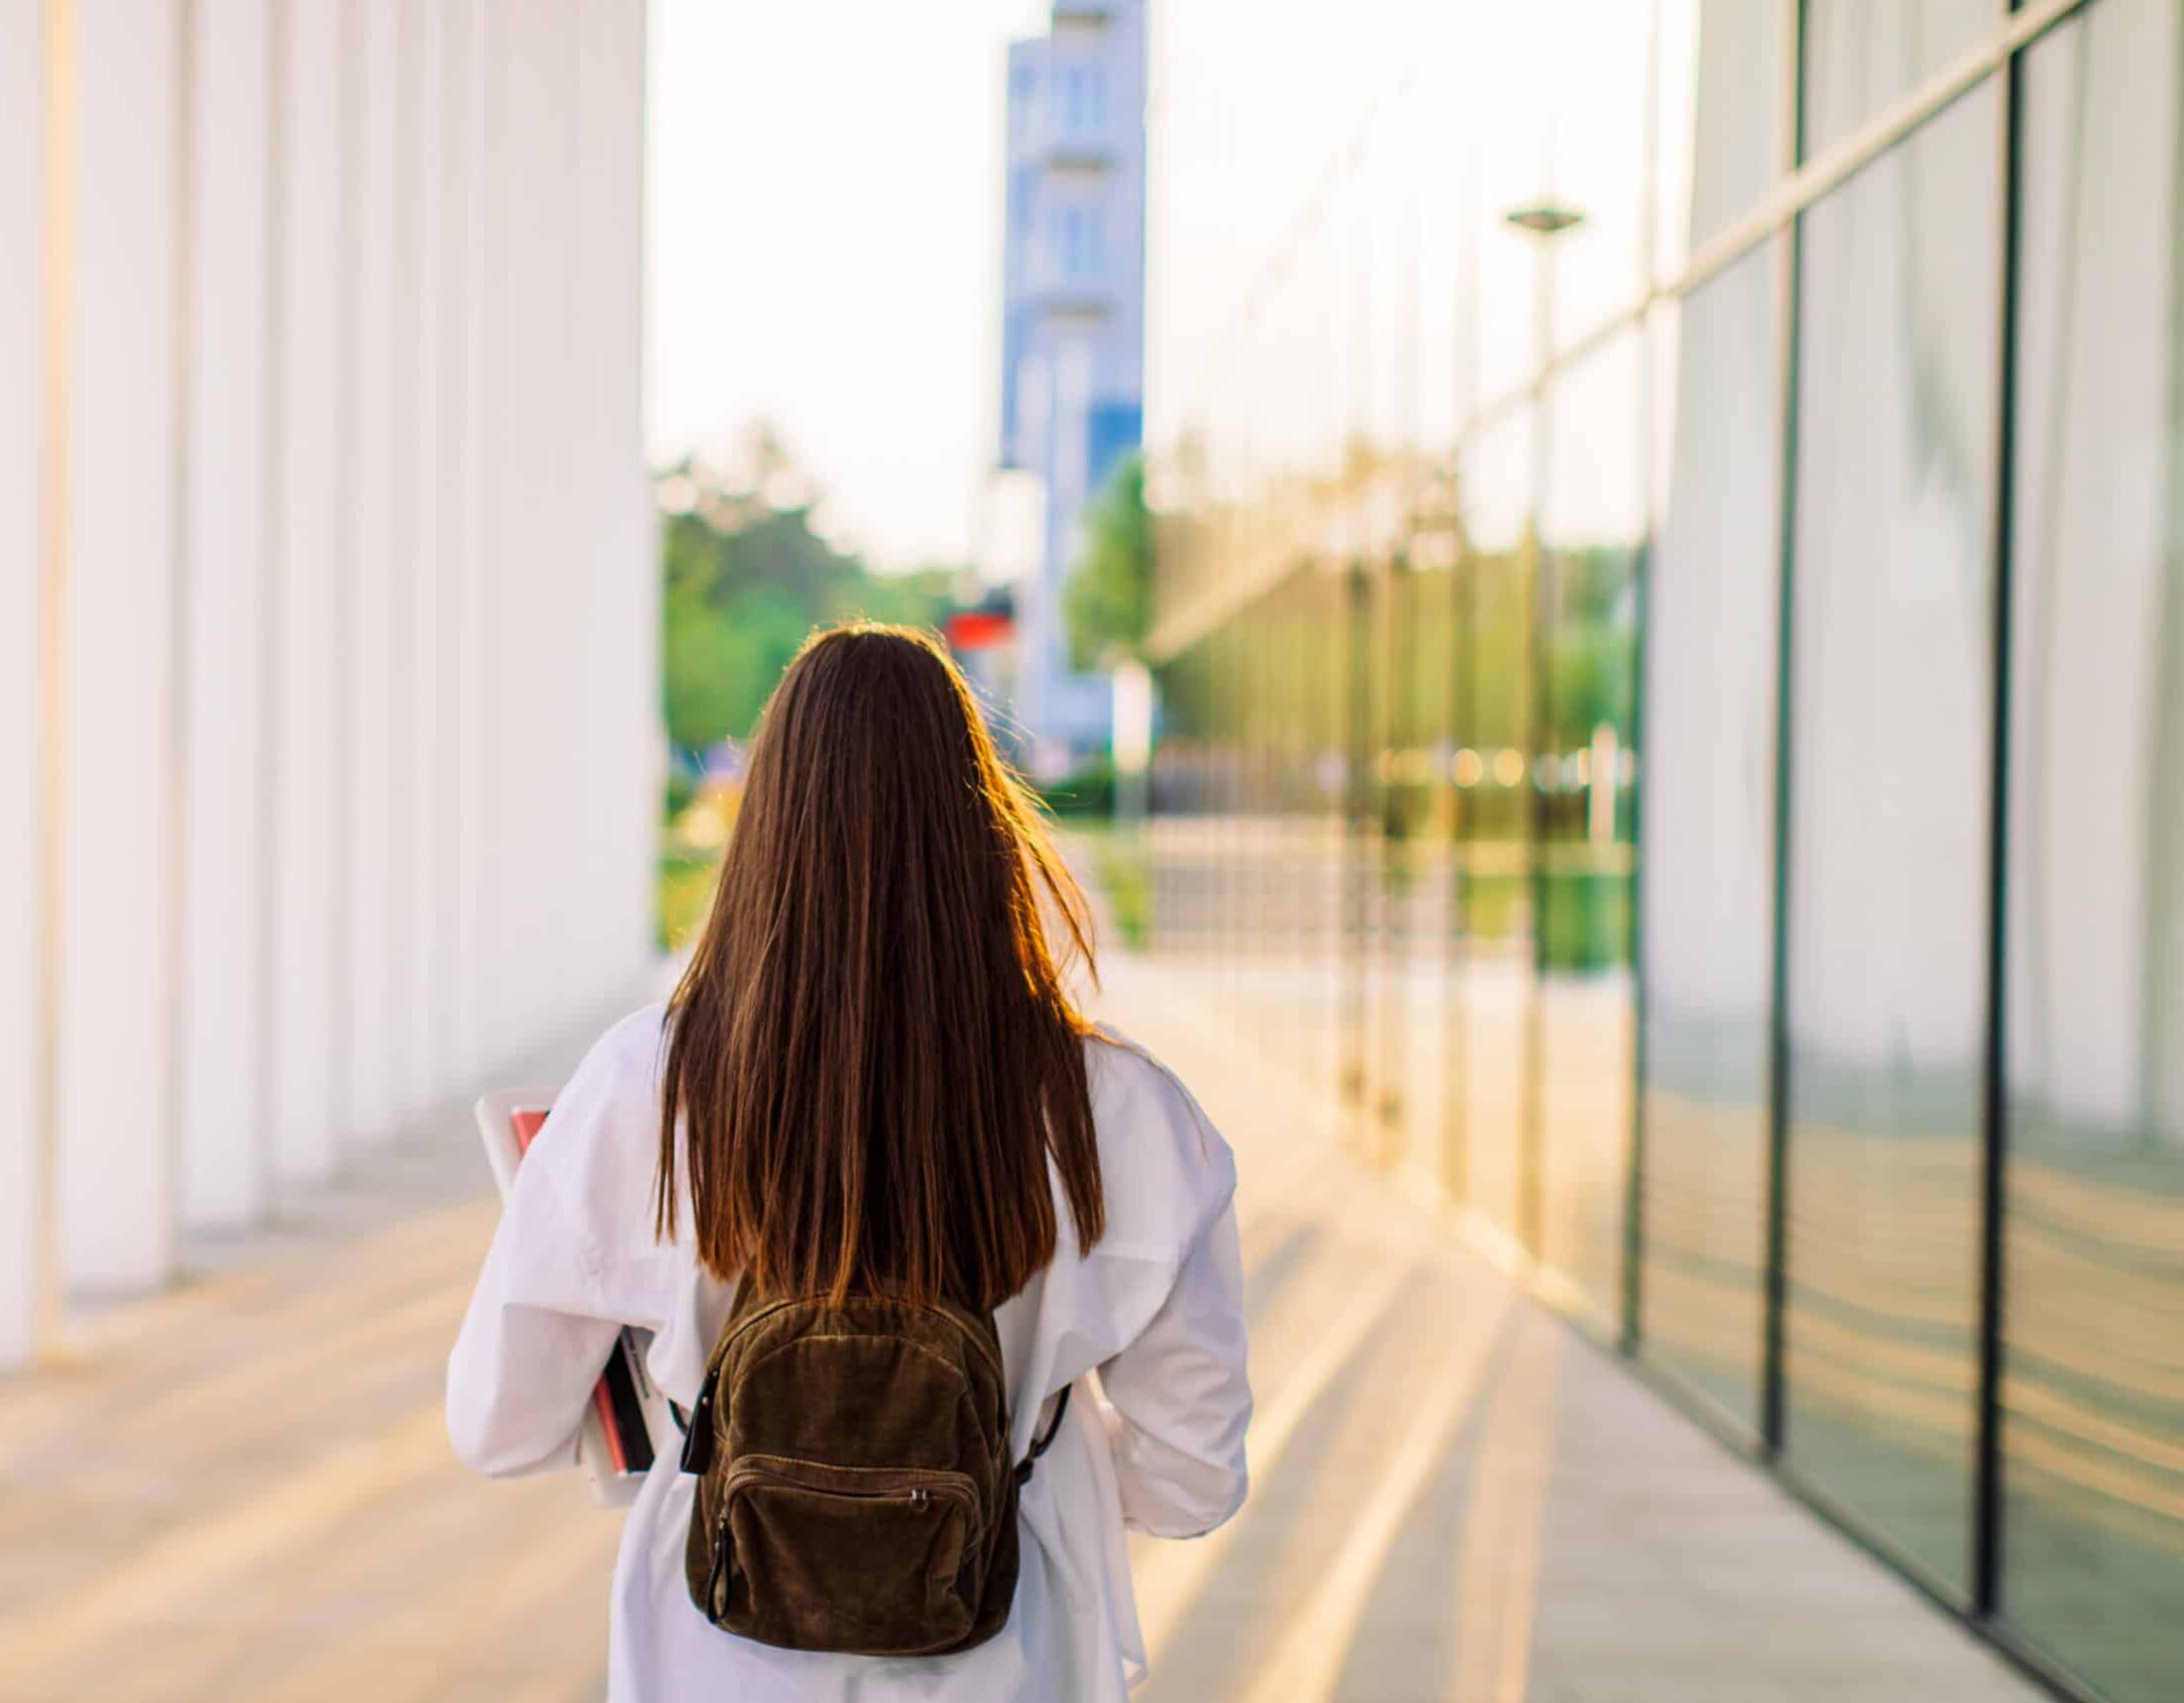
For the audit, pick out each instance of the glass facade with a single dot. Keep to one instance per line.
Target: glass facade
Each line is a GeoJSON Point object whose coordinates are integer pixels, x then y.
{"type": "Point", "coordinates": [2092, 1388]}
{"type": "Point", "coordinates": [1671, 642]}
{"type": "Point", "coordinates": [1890, 716]}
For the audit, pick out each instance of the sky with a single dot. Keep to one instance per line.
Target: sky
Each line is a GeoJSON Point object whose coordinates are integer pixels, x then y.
{"type": "Point", "coordinates": [823, 249]}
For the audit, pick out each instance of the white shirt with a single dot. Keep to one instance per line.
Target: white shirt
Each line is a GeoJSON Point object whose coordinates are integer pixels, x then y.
{"type": "Point", "coordinates": [1156, 1310]}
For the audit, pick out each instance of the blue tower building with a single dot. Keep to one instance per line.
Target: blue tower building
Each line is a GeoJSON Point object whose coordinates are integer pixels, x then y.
{"type": "Point", "coordinates": [1073, 327]}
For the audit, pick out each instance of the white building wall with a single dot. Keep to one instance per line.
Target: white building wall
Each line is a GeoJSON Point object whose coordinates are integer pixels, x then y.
{"type": "Point", "coordinates": [422, 862]}
{"type": "Point", "coordinates": [113, 1088]}
{"type": "Point", "coordinates": [629, 748]}
{"type": "Point", "coordinates": [369, 589]}
{"type": "Point", "coordinates": [224, 1146]}
{"type": "Point", "coordinates": [22, 674]}
{"type": "Point", "coordinates": [472, 466]}
{"type": "Point", "coordinates": [509, 636]}
{"type": "Point", "coordinates": [357, 746]}
{"type": "Point", "coordinates": [309, 916]}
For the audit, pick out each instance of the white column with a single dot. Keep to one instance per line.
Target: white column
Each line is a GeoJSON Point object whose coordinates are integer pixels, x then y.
{"type": "Point", "coordinates": [402, 571]}
{"type": "Point", "coordinates": [517, 855]}
{"type": "Point", "coordinates": [421, 1007]}
{"type": "Point", "coordinates": [225, 1155]}
{"type": "Point", "coordinates": [546, 583]}
{"type": "Point", "coordinates": [614, 573]}
{"type": "Point", "coordinates": [23, 173]}
{"type": "Point", "coordinates": [366, 1115]}
{"type": "Point", "coordinates": [315, 107]}
{"type": "Point", "coordinates": [115, 985]}
{"type": "Point", "coordinates": [550, 565]}
{"type": "Point", "coordinates": [632, 756]}
{"type": "Point", "coordinates": [474, 260]}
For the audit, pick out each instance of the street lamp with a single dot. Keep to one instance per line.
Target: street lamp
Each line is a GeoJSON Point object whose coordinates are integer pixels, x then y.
{"type": "Point", "coordinates": [1547, 220]}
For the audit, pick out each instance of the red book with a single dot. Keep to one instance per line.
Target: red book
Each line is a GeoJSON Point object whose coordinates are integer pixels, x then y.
{"type": "Point", "coordinates": [613, 1398]}
{"type": "Point", "coordinates": [621, 1434]}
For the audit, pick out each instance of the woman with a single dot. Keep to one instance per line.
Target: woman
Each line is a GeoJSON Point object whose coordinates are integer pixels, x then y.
{"type": "Point", "coordinates": [872, 1079]}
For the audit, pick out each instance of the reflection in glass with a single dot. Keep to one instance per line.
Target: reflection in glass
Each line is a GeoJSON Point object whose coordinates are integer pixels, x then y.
{"type": "Point", "coordinates": [1414, 1068]}
{"type": "Point", "coordinates": [1504, 167]}
{"type": "Point", "coordinates": [1598, 158]}
{"type": "Point", "coordinates": [2093, 1387]}
{"type": "Point", "coordinates": [1493, 835]}
{"type": "Point", "coordinates": [1860, 59]}
{"type": "Point", "coordinates": [1592, 519]}
{"type": "Point", "coordinates": [1892, 731]}
{"type": "Point", "coordinates": [1719, 121]}
{"type": "Point", "coordinates": [1706, 874]}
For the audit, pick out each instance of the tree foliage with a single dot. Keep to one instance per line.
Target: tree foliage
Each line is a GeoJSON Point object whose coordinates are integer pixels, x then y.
{"type": "Point", "coordinates": [746, 576]}
{"type": "Point", "coordinates": [1108, 602]}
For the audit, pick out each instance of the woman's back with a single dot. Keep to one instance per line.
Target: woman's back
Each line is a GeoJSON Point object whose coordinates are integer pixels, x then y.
{"type": "Point", "coordinates": [874, 1097]}
{"type": "Point", "coordinates": [1154, 1309]}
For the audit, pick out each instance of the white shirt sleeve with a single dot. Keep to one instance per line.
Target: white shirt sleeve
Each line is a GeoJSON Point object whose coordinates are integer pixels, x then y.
{"type": "Point", "coordinates": [553, 1291]}
{"type": "Point", "coordinates": [1181, 1398]}
{"type": "Point", "coordinates": [1177, 1386]}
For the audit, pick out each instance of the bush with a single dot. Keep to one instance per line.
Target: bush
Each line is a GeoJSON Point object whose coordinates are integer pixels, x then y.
{"type": "Point", "coordinates": [684, 892]}
{"type": "Point", "coordinates": [1089, 792]}
{"type": "Point", "coordinates": [1122, 866]}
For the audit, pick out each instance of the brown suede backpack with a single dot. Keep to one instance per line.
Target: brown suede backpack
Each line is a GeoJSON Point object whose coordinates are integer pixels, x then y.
{"type": "Point", "coordinates": [856, 1491]}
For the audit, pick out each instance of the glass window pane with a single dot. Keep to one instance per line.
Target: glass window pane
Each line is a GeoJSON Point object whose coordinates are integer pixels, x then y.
{"type": "Point", "coordinates": [1409, 1067]}
{"type": "Point", "coordinates": [1592, 521]}
{"type": "Point", "coordinates": [1862, 57]}
{"type": "Point", "coordinates": [1493, 720]}
{"type": "Point", "coordinates": [2094, 1258]}
{"type": "Point", "coordinates": [1598, 160]}
{"type": "Point", "coordinates": [1892, 736]}
{"type": "Point", "coordinates": [1723, 81]}
{"type": "Point", "coordinates": [1505, 167]}
{"type": "Point", "coordinates": [1708, 869]}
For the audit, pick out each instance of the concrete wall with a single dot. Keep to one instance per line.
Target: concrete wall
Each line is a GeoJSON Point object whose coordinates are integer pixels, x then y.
{"type": "Point", "coordinates": [327, 592]}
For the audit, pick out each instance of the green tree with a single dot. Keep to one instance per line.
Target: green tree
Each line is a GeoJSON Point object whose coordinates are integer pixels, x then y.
{"type": "Point", "coordinates": [1108, 603]}
{"type": "Point", "coordinates": [746, 576]}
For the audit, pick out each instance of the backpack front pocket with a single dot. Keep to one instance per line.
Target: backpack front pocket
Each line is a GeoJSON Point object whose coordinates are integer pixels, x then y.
{"type": "Point", "coordinates": [866, 1561]}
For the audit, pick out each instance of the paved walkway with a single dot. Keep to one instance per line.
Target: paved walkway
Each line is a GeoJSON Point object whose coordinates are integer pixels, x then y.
{"type": "Point", "coordinates": [240, 1491]}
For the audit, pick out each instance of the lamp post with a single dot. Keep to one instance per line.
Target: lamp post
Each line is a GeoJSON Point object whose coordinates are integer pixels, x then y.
{"type": "Point", "coordinates": [1543, 222]}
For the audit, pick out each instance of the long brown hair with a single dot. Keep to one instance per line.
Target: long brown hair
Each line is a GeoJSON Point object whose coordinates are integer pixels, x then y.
{"type": "Point", "coordinates": [873, 1055]}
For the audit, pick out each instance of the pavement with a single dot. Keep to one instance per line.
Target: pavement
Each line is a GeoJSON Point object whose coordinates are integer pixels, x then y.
{"type": "Point", "coordinates": [240, 1489]}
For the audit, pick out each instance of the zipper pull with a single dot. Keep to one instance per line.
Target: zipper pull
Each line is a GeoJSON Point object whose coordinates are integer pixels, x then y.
{"type": "Point", "coordinates": [698, 1439]}
{"type": "Point", "coordinates": [715, 1604]}
{"type": "Point", "coordinates": [919, 1497]}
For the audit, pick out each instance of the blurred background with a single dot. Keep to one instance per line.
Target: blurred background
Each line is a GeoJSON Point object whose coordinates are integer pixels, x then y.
{"type": "Point", "coordinates": [1598, 589]}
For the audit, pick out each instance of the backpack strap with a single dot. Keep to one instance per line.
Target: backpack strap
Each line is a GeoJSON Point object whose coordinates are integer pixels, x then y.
{"type": "Point", "coordinates": [1044, 1440]}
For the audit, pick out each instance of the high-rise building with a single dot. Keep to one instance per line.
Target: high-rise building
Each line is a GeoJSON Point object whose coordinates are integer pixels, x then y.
{"type": "Point", "coordinates": [1072, 327]}
{"type": "Point", "coordinates": [1671, 629]}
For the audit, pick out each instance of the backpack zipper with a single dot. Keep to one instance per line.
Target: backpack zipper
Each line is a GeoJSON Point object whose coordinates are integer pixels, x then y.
{"type": "Point", "coordinates": [986, 1350]}
{"type": "Point", "coordinates": [914, 1495]}
{"type": "Point", "coordinates": [917, 1495]}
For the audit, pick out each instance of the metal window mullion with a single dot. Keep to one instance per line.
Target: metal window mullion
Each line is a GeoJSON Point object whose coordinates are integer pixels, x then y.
{"type": "Point", "coordinates": [1634, 1153]}
{"type": "Point", "coordinates": [1987, 1568]}
{"type": "Point", "coordinates": [1789, 301]}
